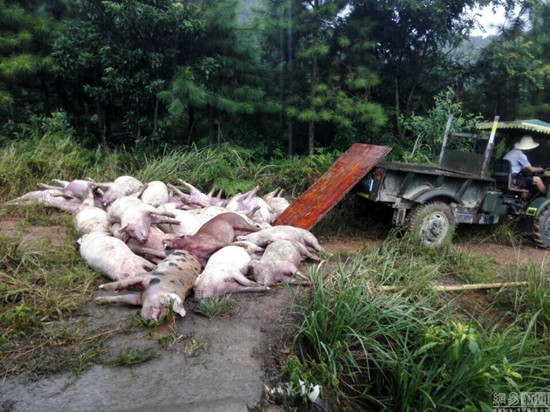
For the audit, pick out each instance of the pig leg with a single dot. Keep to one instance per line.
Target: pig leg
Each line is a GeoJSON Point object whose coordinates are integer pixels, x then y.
{"type": "Point", "coordinates": [253, 289]}
{"type": "Point", "coordinates": [122, 284]}
{"type": "Point", "coordinates": [129, 298]}
{"type": "Point", "coordinates": [250, 195]}
{"type": "Point", "coordinates": [291, 269]}
{"type": "Point", "coordinates": [251, 248]}
{"type": "Point", "coordinates": [147, 251]}
{"type": "Point", "coordinates": [243, 280]}
{"type": "Point", "coordinates": [46, 186]}
{"type": "Point", "coordinates": [159, 219]}
{"type": "Point", "coordinates": [250, 214]}
{"type": "Point", "coordinates": [304, 251]}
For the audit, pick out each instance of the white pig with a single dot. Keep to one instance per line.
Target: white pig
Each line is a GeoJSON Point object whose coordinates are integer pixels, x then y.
{"type": "Point", "coordinates": [225, 273]}
{"type": "Point", "coordinates": [48, 197]}
{"type": "Point", "coordinates": [269, 235]}
{"type": "Point", "coordinates": [111, 256]}
{"type": "Point", "coordinates": [188, 222]}
{"type": "Point", "coordinates": [155, 193]}
{"type": "Point", "coordinates": [136, 217]}
{"type": "Point", "coordinates": [88, 218]}
{"type": "Point", "coordinates": [153, 246]}
{"type": "Point", "coordinates": [122, 186]}
{"type": "Point", "coordinates": [279, 262]}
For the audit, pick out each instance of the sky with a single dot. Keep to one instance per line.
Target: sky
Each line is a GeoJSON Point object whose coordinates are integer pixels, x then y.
{"type": "Point", "coordinates": [490, 20]}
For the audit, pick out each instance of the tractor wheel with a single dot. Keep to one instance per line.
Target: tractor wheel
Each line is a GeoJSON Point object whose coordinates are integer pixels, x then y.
{"type": "Point", "coordinates": [541, 229]}
{"type": "Point", "coordinates": [433, 224]}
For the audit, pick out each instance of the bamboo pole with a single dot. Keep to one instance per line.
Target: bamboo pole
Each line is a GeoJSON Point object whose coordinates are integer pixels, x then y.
{"type": "Point", "coordinates": [452, 288]}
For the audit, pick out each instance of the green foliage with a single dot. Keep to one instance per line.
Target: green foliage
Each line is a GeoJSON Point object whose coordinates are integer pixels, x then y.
{"type": "Point", "coordinates": [530, 304]}
{"type": "Point", "coordinates": [217, 306]}
{"type": "Point", "coordinates": [425, 133]}
{"type": "Point", "coordinates": [25, 42]}
{"type": "Point", "coordinates": [45, 149]}
{"type": "Point", "coordinates": [115, 46]}
{"type": "Point", "coordinates": [398, 351]}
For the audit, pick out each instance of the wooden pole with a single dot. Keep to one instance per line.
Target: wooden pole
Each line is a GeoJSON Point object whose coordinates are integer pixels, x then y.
{"type": "Point", "coordinates": [453, 288]}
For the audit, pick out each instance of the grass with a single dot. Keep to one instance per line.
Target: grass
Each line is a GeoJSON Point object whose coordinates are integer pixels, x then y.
{"type": "Point", "coordinates": [215, 307]}
{"type": "Point", "coordinates": [413, 350]}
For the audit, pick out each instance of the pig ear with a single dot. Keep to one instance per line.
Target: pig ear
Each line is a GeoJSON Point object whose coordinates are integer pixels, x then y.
{"type": "Point", "coordinates": [122, 229]}
{"type": "Point", "coordinates": [179, 310]}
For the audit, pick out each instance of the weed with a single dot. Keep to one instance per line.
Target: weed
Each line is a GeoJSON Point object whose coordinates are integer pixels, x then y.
{"type": "Point", "coordinates": [131, 356]}
{"type": "Point", "coordinates": [216, 306]}
{"type": "Point", "coordinates": [530, 302]}
{"type": "Point", "coordinates": [398, 351]}
{"type": "Point", "coordinates": [194, 345]}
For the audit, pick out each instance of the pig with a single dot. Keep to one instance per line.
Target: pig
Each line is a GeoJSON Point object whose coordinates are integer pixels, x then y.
{"type": "Point", "coordinates": [48, 197]}
{"type": "Point", "coordinates": [215, 234]}
{"type": "Point", "coordinates": [153, 246]}
{"type": "Point", "coordinates": [75, 188]}
{"type": "Point", "coordinates": [240, 201]}
{"type": "Point", "coordinates": [196, 198]}
{"type": "Point", "coordinates": [207, 213]}
{"type": "Point", "coordinates": [260, 211]}
{"type": "Point", "coordinates": [155, 193]}
{"type": "Point", "coordinates": [88, 218]}
{"type": "Point", "coordinates": [251, 205]}
{"type": "Point", "coordinates": [136, 217]}
{"type": "Point", "coordinates": [276, 202]}
{"type": "Point", "coordinates": [111, 256]}
{"type": "Point", "coordinates": [225, 273]}
{"type": "Point", "coordinates": [265, 236]}
{"type": "Point", "coordinates": [122, 186]}
{"type": "Point", "coordinates": [162, 290]}
{"type": "Point", "coordinates": [279, 262]}
{"type": "Point", "coordinates": [189, 224]}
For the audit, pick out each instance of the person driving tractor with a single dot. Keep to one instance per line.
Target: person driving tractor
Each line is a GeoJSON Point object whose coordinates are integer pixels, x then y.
{"type": "Point", "coordinates": [520, 164]}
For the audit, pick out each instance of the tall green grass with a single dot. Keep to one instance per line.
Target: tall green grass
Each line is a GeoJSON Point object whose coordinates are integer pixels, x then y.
{"type": "Point", "coordinates": [406, 350]}
{"type": "Point", "coordinates": [48, 149]}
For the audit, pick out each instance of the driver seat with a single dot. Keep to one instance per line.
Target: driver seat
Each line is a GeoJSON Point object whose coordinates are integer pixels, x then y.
{"type": "Point", "coordinates": [503, 177]}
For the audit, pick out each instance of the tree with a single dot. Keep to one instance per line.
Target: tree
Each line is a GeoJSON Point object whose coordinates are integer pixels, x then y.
{"type": "Point", "coordinates": [512, 72]}
{"type": "Point", "coordinates": [414, 40]}
{"type": "Point", "coordinates": [224, 79]}
{"type": "Point", "coordinates": [325, 67]}
{"type": "Point", "coordinates": [117, 56]}
{"type": "Point", "coordinates": [28, 28]}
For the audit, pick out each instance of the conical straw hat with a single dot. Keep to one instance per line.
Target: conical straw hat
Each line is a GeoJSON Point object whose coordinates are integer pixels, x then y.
{"type": "Point", "coordinates": [526, 143]}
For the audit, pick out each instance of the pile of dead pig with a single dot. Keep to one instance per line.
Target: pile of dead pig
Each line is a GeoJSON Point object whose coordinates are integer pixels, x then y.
{"type": "Point", "coordinates": [164, 244]}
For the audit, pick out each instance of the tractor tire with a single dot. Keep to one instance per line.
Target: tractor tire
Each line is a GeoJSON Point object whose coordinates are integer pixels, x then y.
{"type": "Point", "coordinates": [541, 229]}
{"type": "Point", "coordinates": [432, 224]}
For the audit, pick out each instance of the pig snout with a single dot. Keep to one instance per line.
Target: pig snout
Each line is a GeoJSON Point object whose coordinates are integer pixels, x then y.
{"type": "Point", "coordinates": [158, 305]}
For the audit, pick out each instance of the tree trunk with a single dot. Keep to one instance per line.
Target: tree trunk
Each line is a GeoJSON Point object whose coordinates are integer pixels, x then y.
{"type": "Point", "coordinates": [101, 125]}
{"type": "Point", "coordinates": [314, 70]}
{"type": "Point", "coordinates": [290, 139]}
{"type": "Point", "coordinates": [290, 69]}
{"type": "Point", "coordinates": [156, 115]}
{"type": "Point", "coordinates": [211, 130]}
{"type": "Point", "coordinates": [190, 125]}
{"type": "Point", "coordinates": [397, 107]}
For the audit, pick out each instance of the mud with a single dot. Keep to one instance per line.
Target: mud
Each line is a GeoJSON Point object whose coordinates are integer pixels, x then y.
{"type": "Point", "coordinates": [218, 364]}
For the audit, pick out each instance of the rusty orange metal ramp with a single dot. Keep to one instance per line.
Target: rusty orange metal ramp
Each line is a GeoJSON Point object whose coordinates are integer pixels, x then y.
{"type": "Point", "coordinates": [330, 188]}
